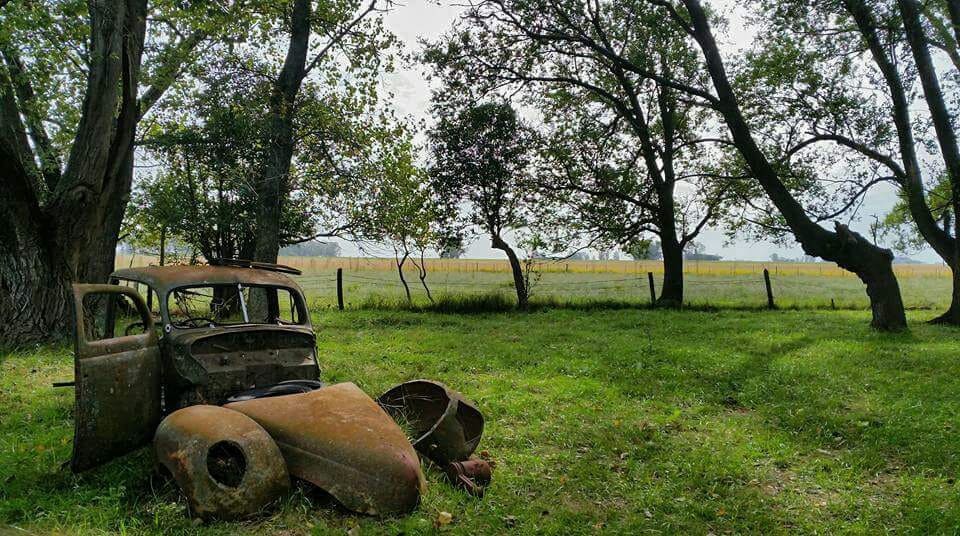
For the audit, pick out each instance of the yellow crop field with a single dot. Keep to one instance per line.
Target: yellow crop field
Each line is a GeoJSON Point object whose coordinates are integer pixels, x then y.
{"type": "Point", "coordinates": [718, 268]}
{"type": "Point", "coordinates": [311, 265]}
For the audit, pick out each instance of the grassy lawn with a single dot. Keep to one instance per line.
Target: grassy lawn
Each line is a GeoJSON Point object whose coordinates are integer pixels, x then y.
{"type": "Point", "coordinates": [629, 421]}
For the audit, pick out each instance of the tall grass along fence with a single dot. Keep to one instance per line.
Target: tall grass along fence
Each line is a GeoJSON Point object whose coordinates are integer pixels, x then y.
{"type": "Point", "coordinates": [375, 288]}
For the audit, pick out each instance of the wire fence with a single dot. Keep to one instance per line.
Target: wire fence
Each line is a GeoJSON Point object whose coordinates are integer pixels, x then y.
{"type": "Point", "coordinates": [756, 290]}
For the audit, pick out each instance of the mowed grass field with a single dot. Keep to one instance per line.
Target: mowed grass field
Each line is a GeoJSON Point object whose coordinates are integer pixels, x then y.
{"type": "Point", "coordinates": [630, 421]}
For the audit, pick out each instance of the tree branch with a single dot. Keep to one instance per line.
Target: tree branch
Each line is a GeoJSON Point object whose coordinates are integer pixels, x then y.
{"type": "Point", "coordinates": [335, 39]}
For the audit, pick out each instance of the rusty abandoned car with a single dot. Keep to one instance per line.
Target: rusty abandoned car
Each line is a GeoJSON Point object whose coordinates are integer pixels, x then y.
{"type": "Point", "coordinates": [217, 366]}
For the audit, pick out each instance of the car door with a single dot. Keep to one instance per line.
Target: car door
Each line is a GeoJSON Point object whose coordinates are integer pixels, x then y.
{"type": "Point", "coordinates": [116, 374]}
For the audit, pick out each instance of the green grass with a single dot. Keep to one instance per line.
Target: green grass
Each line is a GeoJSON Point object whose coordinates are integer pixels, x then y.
{"type": "Point", "coordinates": [624, 421]}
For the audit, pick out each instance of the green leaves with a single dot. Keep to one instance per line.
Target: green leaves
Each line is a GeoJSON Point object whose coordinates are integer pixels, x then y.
{"type": "Point", "coordinates": [480, 167]}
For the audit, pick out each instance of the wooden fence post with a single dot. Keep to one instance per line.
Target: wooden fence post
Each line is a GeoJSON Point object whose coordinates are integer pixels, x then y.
{"type": "Point", "coordinates": [766, 280]}
{"type": "Point", "coordinates": [653, 291]}
{"type": "Point", "coordinates": [340, 288]}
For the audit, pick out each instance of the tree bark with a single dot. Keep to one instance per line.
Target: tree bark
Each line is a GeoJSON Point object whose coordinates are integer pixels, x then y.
{"type": "Point", "coordinates": [274, 183]}
{"type": "Point", "coordinates": [671, 295]}
{"type": "Point", "coordinates": [400, 261]}
{"type": "Point", "coordinates": [851, 251]}
{"type": "Point", "coordinates": [69, 233]}
{"type": "Point", "coordinates": [34, 282]}
{"type": "Point", "coordinates": [519, 283]}
{"type": "Point", "coordinates": [910, 10]}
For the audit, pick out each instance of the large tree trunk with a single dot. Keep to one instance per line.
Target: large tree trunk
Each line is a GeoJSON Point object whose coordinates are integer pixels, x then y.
{"type": "Point", "coordinates": [519, 283]}
{"type": "Point", "coordinates": [671, 295]}
{"type": "Point", "coordinates": [34, 283]}
{"type": "Point", "coordinates": [274, 183]}
{"type": "Point", "coordinates": [72, 237]}
{"type": "Point", "coordinates": [664, 180]}
{"type": "Point", "coordinates": [952, 315]}
{"type": "Point", "coordinates": [911, 179]}
{"type": "Point", "coordinates": [851, 251]}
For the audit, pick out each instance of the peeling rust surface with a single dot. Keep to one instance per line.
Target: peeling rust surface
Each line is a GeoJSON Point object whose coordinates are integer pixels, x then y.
{"type": "Point", "coordinates": [472, 475]}
{"type": "Point", "coordinates": [207, 366]}
{"type": "Point", "coordinates": [340, 440]}
{"type": "Point", "coordinates": [117, 399]}
{"type": "Point", "coordinates": [227, 466]}
{"type": "Point", "coordinates": [166, 278]}
{"type": "Point", "coordinates": [446, 427]}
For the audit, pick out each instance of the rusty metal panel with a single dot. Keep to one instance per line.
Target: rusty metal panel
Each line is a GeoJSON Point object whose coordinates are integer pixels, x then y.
{"type": "Point", "coordinates": [117, 386]}
{"type": "Point", "coordinates": [227, 466]}
{"type": "Point", "coordinates": [208, 365]}
{"type": "Point", "coordinates": [445, 426]}
{"type": "Point", "coordinates": [340, 440]}
{"type": "Point", "coordinates": [166, 278]}
{"type": "Point", "coordinates": [473, 475]}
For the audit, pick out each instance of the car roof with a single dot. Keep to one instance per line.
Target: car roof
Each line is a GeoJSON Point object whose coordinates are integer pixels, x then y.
{"type": "Point", "coordinates": [164, 278]}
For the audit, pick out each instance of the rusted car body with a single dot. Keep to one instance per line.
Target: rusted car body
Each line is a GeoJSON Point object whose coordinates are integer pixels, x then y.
{"type": "Point", "coordinates": [126, 383]}
{"type": "Point", "coordinates": [203, 360]}
{"type": "Point", "coordinates": [205, 364]}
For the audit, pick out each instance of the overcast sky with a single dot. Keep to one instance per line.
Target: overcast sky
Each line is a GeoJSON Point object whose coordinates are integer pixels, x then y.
{"type": "Point", "coordinates": [427, 19]}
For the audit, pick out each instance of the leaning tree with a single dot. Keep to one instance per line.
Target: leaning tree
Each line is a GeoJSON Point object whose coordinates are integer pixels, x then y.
{"type": "Point", "coordinates": [851, 251]}
{"type": "Point", "coordinates": [867, 84]}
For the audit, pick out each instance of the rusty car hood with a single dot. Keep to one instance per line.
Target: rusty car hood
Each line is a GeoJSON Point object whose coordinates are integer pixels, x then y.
{"type": "Point", "coordinates": [339, 439]}
{"type": "Point", "coordinates": [208, 365]}
{"type": "Point", "coordinates": [188, 336]}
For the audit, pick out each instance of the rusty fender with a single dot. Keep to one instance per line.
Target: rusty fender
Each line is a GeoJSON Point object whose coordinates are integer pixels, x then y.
{"type": "Point", "coordinates": [225, 463]}
{"type": "Point", "coordinates": [446, 429]}
{"type": "Point", "coordinates": [340, 440]}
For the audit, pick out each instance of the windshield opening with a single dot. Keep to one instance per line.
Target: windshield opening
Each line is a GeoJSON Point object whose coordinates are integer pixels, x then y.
{"type": "Point", "coordinates": [233, 304]}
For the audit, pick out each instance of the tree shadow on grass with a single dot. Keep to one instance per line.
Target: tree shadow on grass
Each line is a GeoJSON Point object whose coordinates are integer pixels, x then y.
{"type": "Point", "coordinates": [821, 385]}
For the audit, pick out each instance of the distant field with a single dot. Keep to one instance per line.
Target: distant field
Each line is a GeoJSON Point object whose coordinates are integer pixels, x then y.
{"type": "Point", "coordinates": [713, 268]}
{"type": "Point", "coordinates": [370, 282]}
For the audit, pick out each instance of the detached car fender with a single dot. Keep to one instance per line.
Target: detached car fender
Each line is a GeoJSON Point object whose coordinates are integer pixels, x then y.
{"type": "Point", "coordinates": [227, 466]}
{"type": "Point", "coordinates": [340, 440]}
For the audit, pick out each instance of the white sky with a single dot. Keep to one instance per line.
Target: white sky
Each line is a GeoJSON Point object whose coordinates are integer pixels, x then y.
{"type": "Point", "coordinates": [428, 19]}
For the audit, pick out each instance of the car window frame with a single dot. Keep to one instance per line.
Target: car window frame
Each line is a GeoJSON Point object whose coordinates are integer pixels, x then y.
{"type": "Point", "coordinates": [299, 300]}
